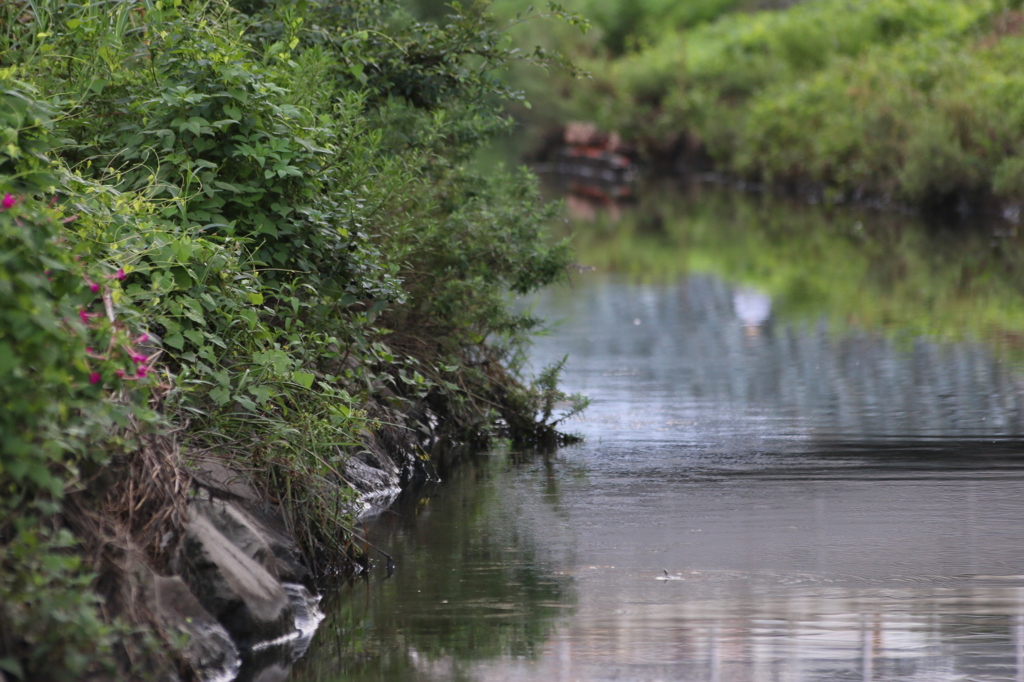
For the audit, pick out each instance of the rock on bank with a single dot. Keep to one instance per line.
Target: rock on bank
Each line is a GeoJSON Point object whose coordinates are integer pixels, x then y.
{"type": "Point", "coordinates": [239, 587]}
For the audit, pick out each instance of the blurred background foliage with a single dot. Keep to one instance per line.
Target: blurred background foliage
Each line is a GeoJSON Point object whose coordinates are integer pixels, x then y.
{"type": "Point", "coordinates": [913, 101]}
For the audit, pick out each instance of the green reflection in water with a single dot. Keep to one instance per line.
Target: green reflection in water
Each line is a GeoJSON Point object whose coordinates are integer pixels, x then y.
{"type": "Point", "coordinates": [471, 584]}
{"type": "Point", "coordinates": [856, 268]}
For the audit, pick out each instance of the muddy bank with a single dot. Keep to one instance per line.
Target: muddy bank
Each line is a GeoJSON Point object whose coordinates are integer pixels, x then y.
{"type": "Point", "coordinates": [596, 166]}
{"type": "Point", "coordinates": [227, 583]}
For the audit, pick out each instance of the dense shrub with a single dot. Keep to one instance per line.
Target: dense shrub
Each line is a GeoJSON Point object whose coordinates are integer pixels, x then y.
{"type": "Point", "coordinates": [61, 354]}
{"type": "Point", "coordinates": [261, 217]}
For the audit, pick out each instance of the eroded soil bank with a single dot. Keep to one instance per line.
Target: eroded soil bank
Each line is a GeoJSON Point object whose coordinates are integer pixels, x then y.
{"type": "Point", "coordinates": [236, 584]}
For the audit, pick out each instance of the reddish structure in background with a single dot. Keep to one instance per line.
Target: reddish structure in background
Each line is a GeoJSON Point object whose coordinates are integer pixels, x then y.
{"type": "Point", "coordinates": [593, 164]}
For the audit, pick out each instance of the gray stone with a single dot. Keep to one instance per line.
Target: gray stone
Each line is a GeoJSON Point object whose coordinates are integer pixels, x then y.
{"type": "Point", "coordinates": [308, 616]}
{"type": "Point", "coordinates": [368, 479]}
{"type": "Point", "coordinates": [210, 649]}
{"type": "Point", "coordinates": [240, 593]}
{"type": "Point", "coordinates": [223, 480]}
{"type": "Point", "coordinates": [274, 672]}
{"type": "Point", "coordinates": [277, 672]}
{"type": "Point", "coordinates": [254, 534]}
{"type": "Point", "coordinates": [371, 470]}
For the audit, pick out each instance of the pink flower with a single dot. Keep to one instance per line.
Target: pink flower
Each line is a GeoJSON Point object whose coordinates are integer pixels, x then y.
{"type": "Point", "coordinates": [120, 374]}
{"type": "Point", "coordinates": [117, 275]}
{"type": "Point", "coordinates": [93, 287]}
{"type": "Point", "coordinates": [84, 316]}
{"type": "Point", "coordinates": [94, 377]}
{"type": "Point", "coordinates": [142, 338]}
{"type": "Point", "coordinates": [139, 357]}
{"type": "Point", "coordinates": [7, 201]}
{"type": "Point", "coordinates": [142, 371]}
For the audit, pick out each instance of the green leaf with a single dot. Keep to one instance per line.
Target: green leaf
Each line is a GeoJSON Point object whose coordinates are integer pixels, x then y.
{"type": "Point", "coordinates": [255, 298]}
{"type": "Point", "coordinates": [193, 310]}
{"type": "Point", "coordinates": [195, 337]}
{"type": "Point", "coordinates": [220, 395]}
{"type": "Point", "coordinates": [304, 379]}
{"type": "Point", "coordinates": [227, 187]}
{"type": "Point", "coordinates": [245, 402]}
{"type": "Point", "coordinates": [261, 393]}
{"type": "Point", "coordinates": [7, 359]}
{"type": "Point", "coordinates": [10, 665]}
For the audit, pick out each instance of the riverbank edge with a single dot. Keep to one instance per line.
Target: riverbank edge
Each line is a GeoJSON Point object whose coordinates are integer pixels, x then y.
{"type": "Point", "coordinates": [696, 166]}
{"type": "Point", "coordinates": [237, 594]}
{"type": "Point", "coordinates": [685, 159]}
{"type": "Point", "coordinates": [208, 263]}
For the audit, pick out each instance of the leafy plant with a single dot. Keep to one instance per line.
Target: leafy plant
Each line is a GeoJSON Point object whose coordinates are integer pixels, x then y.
{"type": "Point", "coordinates": [295, 267]}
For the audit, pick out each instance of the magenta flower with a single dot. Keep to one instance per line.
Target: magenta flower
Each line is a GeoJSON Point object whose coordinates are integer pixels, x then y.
{"type": "Point", "coordinates": [84, 316]}
{"type": "Point", "coordinates": [7, 201]}
{"type": "Point", "coordinates": [120, 374]}
{"type": "Point", "coordinates": [142, 371]}
{"type": "Point", "coordinates": [93, 287]}
{"type": "Point", "coordinates": [94, 377]}
{"type": "Point", "coordinates": [117, 275]}
{"type": "Point", "coordinates": [142, 338]}
{"type": "Point", "coordinates": [139, 357]}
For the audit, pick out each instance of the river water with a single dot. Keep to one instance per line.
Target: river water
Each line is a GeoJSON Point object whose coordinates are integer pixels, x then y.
{"type": "Point", "coordinates": [803, 461]}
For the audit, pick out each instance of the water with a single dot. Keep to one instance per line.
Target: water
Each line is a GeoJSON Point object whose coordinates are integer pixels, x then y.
{"type": "Point", "coordinates": [775, 485]}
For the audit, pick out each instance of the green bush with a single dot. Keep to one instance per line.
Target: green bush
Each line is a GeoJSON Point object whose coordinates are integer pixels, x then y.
{"type": "Point", "coordinates": [61, 356]}
{"type": "Point", "coordinates": [51, 626]}
{"type": "Point", "coordinates": [265, 212]}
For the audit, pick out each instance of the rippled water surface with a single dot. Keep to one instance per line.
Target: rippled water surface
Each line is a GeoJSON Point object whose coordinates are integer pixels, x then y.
{"type": "Point", "coordinates": [763, 495]}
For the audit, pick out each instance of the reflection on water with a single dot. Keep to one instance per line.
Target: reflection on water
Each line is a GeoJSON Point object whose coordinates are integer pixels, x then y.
{"type": "Point", "coordinates": [703, 346]}
{"type": "Point", "coordinates": [753, 307]}
{"type": "Point", "coordinates": [761, 496]}
{"type": "Point", "coordinates": [855, 268]}
{"type": "Point", "coordinates": [473, 583]}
